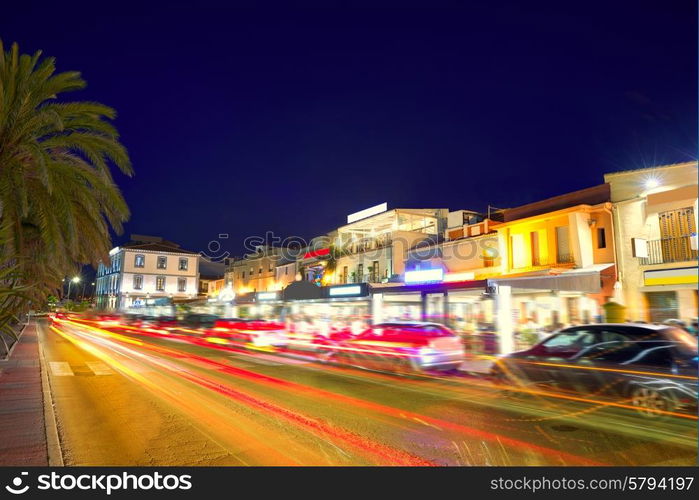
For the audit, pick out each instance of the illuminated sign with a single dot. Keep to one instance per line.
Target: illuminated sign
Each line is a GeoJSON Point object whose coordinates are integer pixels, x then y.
{"type": "Point", "coordinates": [267, 296]}
{"type": "Point", "coordinates": [321, 252]}
{"type": "Point", "coordinates": [114, 250]}
{"type": "Point", "coordinates": [368, 212]}
{"type": "Point", "coordinates": [424, 276]}
{"type": "Point", "coordinates": [449, 277]}
{"type": "Point", "coordinates": [344, 291]}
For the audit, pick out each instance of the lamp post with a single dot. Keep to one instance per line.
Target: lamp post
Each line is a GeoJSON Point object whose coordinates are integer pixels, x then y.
{"type": "Point", "coordinates": [76, 280]}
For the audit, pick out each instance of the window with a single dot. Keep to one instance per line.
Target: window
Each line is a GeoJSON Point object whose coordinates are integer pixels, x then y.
{"type": "Point", "coordinates": [569, 342]}
{"type": "Point", "coordinates": [181, 284]}
{"type": "Point", "coordinates": [139, 260]}
{"type": "Point", "coordinates": [601, 238]}
{"type": "Point", "coordinates": [563, 254]}
{"type": "Point", "coordinates": [184, 264]}
{"type": "Point", "coordinates": [518, 253]}
{"type": "Point", "coordinates": [138, 282]}
{"type": "Point", "coordinates": [259, 271]}
{"type": "Point", "coordinates": [162, 262]}
{"type": "Point", "coordinates": [160, 283]}
{"type": "Point", "coordinates": [242, 275]}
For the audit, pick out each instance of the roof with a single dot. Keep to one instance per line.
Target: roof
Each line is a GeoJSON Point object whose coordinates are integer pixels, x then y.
{"type": "Point", "coordinates": [589, 196]}
{"type": "Point", "coordinates": [156, 247]}
{"type": "Point", "coordinates": [671, 165]}
{"type": "Point", "coordinates": [211, 270]}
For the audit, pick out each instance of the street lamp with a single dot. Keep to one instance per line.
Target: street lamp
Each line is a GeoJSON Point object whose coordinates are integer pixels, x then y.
{"type": "Point", "coordinates": [76, 280]}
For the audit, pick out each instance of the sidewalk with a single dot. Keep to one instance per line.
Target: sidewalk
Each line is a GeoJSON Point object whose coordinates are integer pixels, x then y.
{"type": "Point", "coordinates": [22, 428]}
{"type": "Point", "coordinates": [479, 364]}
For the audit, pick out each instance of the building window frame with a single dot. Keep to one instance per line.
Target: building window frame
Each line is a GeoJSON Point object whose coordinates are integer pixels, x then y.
{"type": "Point", "coordinates": [161, 263]}
{"type": "Point", "coordinates": [183, 264]}
{"type": "Point", "coordinates": [181, 284]}
{"type": "Point", "coordinates": [139, 260]}
{"type": "Point", "coordinates": [160, 282]}
{"type": "Point", "coordinates": [138, 282]}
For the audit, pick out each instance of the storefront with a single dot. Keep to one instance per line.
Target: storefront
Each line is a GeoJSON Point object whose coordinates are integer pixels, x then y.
{"type": "Point", "coordinates": [671, 294]}
{"type": "Point", "coordinates": [313, 310]}
{"type": "Point", "coordinates": [459, 305]}
{"type": "Point", "coordinates": [150, 307]}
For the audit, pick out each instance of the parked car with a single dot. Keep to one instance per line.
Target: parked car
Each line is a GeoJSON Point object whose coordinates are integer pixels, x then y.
{"type": "Point", "coordinates": [651, 367]}
{"type": "Point", "coordinates": [402, 347]}
{"type": "Point", "coordinates": [252, 332]}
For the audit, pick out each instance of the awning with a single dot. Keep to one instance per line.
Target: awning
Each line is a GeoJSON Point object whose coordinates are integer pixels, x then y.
{"type": "Point", "coordinates": [585, 279]}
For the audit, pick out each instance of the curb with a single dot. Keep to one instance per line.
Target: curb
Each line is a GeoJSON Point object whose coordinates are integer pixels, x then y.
{"type": "Point", "coordinates": [53, 442]}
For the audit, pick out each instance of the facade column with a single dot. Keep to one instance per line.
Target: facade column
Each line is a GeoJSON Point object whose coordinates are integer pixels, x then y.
{"type": "Point", "coordinates": [377, 308]}
{"type": "Point", "coordinates": [581, 239]}
{"type": "Point", "coordinates": [505, 328]}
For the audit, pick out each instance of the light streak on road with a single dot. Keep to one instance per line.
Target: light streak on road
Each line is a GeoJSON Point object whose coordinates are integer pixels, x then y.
{"type": "Point", "coordinates": [313, 425]}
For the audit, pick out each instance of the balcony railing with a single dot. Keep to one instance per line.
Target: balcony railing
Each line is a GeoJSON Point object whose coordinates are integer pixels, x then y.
{"type": "Point", "coordinates": [552, 260]}
{"type": "Point", "coordinates": [666, 250]}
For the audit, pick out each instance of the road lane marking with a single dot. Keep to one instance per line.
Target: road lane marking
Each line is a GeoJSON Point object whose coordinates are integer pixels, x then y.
{"type": "Point", "coordinates": [99, 368]}
{"type": "Point", "coordinates": [61, 369]}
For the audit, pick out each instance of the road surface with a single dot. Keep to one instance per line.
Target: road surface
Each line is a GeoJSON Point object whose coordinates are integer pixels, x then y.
{"type": "Point", "coordinates": [122, 398]}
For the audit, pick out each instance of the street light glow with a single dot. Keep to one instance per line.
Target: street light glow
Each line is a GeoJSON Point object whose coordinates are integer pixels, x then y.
{"type": "Point", "coordinates": [652, 183]}
{"type": "Point", "coordinates": [76, 279]}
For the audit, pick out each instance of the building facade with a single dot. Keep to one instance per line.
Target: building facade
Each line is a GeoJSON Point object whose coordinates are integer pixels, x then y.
{"type": "Point", "coordinates": [655, 216]}
{"type": "Point", "coordinates": [145, 269]}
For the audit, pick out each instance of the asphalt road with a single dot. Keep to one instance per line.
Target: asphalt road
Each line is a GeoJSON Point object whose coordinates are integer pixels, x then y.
{"type": "Point", "coordinates": [126, 399]}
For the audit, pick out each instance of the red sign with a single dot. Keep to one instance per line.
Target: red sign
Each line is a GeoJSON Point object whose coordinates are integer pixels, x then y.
{"type": "Point", "coordinates": [317, 253]}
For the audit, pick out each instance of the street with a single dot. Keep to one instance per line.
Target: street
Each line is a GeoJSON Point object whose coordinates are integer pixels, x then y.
{"type": "Point", "coordinates": [123, 398]}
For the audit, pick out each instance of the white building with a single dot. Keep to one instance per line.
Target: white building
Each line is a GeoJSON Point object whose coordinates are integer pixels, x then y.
{"type": "Point", "coordinates": [146, 269]}
{"type": "Point", "coordinates": [655, 216]}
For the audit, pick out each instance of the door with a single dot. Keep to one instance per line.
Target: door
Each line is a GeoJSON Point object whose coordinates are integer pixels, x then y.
{"type": "Point", "coordinates": [563, 253]}
{"type": "Point", "coordinates": [599, 367]}
{"type": "Point", "coordinates": [662, 306]}
{"type": "Point", "coordinates": [536, 260]}
{"type": "Point", "coordinates": [549, 363]}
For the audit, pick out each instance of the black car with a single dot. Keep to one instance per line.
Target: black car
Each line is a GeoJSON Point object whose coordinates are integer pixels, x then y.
{"type": "Point", "coordinates": [199, 320]}
{"type": "Point", "coordinates": [651, 367]}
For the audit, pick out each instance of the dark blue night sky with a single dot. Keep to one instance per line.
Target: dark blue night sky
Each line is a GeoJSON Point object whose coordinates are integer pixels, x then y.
{"type": "Point", "coordinates": [242, 121]}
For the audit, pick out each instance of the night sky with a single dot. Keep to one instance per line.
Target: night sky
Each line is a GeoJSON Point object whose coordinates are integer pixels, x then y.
{"type": "Point", "coordinates": [243, 121]}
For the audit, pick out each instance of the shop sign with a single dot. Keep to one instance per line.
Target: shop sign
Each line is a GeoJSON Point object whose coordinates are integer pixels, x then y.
{"type": "Point", "coordinates": [424, 276]}
{"type": "Point", "coordinates": [345, 291]}
{"type": "Point", "coordinates": [368, 212]}
{"type": "Point", "coordinates": [263, 296]}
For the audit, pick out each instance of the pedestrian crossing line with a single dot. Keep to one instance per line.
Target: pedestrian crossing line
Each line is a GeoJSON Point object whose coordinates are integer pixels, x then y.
{"type": "Point", "coordinates": [61, 369]}
{"type": "Point", "coordinates": [99, 368]}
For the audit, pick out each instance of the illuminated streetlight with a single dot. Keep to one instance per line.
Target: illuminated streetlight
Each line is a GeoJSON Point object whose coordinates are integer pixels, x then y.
{"type": "Point", "coordinates": [651, 183]}
{"type": "Point", "coordinates": [76, 279]}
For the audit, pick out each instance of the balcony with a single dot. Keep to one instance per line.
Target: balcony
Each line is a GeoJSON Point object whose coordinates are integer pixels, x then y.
{"type": "Point", "coordinates": [366, 245]}
{"type": "Point", "coordinates": [560, 260]}
{"type": "Point", "coordinates": [667, 250]}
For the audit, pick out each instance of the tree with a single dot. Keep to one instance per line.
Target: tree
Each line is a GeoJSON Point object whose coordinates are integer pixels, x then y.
{"type": "Point", "coordinates": [58, 199]}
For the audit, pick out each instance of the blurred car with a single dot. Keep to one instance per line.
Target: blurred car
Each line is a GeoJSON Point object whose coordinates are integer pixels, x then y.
{"type": "Point", "coordinates": [258, 333]}
{"type": "Point", "coordinates": [401, 346]}
{"type": "Point", "coordinates": [651, 367]}
{"type": "Point", "coordinates": [198, 320]}
{"type": "Point", "coordinates": [107, 319]}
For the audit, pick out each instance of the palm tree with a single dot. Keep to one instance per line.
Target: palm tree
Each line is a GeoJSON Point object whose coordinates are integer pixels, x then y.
{"type": "Point", "coordinates": [58, 199]}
